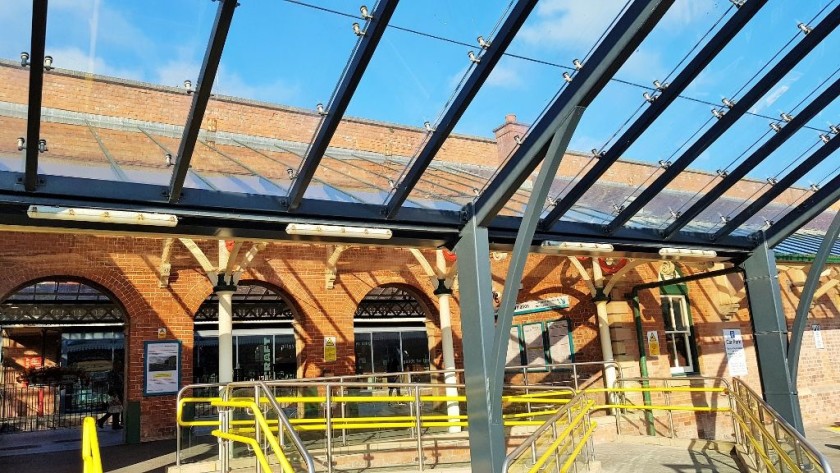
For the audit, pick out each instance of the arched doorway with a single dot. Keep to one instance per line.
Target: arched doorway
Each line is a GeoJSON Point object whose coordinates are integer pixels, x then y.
{"type": "Point", "coordinates": [60, 339]}
{"type": "Point", "coordinates": [390, 331]}
{"type": "Point", "coordinates": [263, 337]}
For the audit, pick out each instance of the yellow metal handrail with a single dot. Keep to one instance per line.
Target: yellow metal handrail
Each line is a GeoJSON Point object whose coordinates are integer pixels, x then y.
{"type": "Point", "coordinates": [92, 462]}
{"type": "Point", "coordinates": [553, 397]}
{"type": "Point", "coordinates": [261, 423]}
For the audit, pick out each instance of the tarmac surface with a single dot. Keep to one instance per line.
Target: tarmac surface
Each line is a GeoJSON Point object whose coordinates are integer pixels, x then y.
{"type": "Point", "coordinates": [58, 451]}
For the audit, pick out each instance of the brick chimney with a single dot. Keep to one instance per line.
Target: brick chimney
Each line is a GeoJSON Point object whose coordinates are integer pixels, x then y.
{"type": "Point", "coordinates": [506, 136]}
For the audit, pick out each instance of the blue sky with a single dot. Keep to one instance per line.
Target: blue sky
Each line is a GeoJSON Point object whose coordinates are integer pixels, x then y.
{"type": "Point", "coordinates": [290, 54]}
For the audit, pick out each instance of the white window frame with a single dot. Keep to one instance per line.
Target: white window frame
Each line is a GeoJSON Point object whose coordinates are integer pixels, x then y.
{"type": "Point", "coordinates": [685, 334]}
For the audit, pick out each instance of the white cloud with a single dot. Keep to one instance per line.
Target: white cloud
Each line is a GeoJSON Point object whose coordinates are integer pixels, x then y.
{"type": "Point", "coordinates": [77, 60]}
{"type": "Point", "coordinates": [227, 82]}
{"type": "Point", "coordinates": [505, 77]}
{"type": "Point", "coordinates": [570, 23]}
{"type": "Point", "coordinates": [771, 98]}
{"type": "Point", "coordinates": [644, 65]}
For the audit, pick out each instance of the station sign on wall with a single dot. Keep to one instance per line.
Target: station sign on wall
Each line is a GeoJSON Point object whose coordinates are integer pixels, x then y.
{"type": "Point", "coordinates": [541, 305]}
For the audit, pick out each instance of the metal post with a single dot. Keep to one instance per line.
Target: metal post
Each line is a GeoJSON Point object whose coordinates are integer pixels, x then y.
{"type": "Point", "coordinates": [224, 425]}
{"type": "Point", "coordinates": [484, 413]}
{"type": "Point", "coordinates": [770, 334]}
{"type": "Point", "coordinates": [257, 433]}
{"type": "Point", "coordinates": [419, 425]}
{"type": "Point", "coordinates": [328, 427]}
{"type": "Point", "coordinates": [670, 412]}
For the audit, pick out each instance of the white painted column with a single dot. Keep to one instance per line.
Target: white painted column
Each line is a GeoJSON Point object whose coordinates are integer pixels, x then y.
{"type": "Point", "coordinates": [447, 345]}
{"type": "Point", "coordinates": [225, 335]}
{"type": "Point", "coordinates": [603, 326]}
{"type": "Point", "coordinates": [225, 293]}
{"type": "Point", "coordinates": [606, 341]}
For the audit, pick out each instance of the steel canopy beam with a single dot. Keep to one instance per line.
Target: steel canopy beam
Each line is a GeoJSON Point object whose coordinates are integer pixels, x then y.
{"type": "Point", "coordinates": [522, 246]}
{"type": "Point", "coordinates": [341, 99]}
{"type": "Point", "coordinates": [488, 61]}
{"type": "Point", "coordinates": [807, 297]}
{"type": "Point", "coordinates": [756, 158]}
{"type": "Point", "coordinates": [206, 77]}
{"type": "Point", "coordinates": [786, 182]}
{"type": "Point", "coordinates": [676, 87]}
{"type": "Point", "coordinates": [742, 106]}
{"type": "Point", "coordinates": [803, 213]}
{"type": "Point", "coordinates": [627, 34]}
{"type": "Point", "coordinates": [36, 89]}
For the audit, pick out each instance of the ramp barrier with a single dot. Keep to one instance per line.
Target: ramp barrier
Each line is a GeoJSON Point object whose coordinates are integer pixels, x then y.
{"type": "Point", "coordinates": [559, 444]}
{"type": "Point", "coordinates": [91, 461]}
{"type": "Point", "coordinates": [692, 407]}
{"type": "Point", "coordinates": [766, 440]}
{"type": "Point", "coordinates": [351, 413]}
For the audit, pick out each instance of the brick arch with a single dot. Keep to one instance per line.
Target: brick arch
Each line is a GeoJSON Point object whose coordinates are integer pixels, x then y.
{"type": "Point", "coordinates": [418, 295]}
{"type": "Point", "coordinates": [112, 283]}
{"type": "Point", "coordinates": [199, 293]}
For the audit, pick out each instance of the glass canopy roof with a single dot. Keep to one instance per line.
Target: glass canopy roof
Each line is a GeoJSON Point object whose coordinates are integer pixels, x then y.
{"type": "Point", "coordinates": [703, 122]}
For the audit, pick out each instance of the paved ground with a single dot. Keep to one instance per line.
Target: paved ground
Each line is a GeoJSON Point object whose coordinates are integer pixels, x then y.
{"type": "Point", "coordinates": [827, 441]}
{"type": "Point", "coordinates": [58, 452]}
{"type": "Point", "coordinates": [630, 456]}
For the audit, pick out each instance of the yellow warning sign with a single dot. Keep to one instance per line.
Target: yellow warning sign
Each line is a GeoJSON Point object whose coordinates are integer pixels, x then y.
{"type": "Point", "coordinates": [653, 343]}
{"type": "Point", "coordinates": [329, 349]}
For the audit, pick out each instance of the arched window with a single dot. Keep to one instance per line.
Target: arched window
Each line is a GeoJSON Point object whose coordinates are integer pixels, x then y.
{"type": "Point", "coordinates": [390, 332]}
{"type": "Point", "coordinates": [61, 336]}
{"type": "Point", "coordinates": [263, 339]}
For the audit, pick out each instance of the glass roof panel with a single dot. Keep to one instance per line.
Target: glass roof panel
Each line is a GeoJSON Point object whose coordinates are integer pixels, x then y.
{"type": "Point", "coordinates": [11, 159]}
{"type": "Point", "coordinates": [750, 133]}
{"type": "Point", "coordinates": [421, 59]}
{"type": "Point", "coordinates": [524, 82]}
{"type": "Point", "coordinates": [145, 51]}
{"type": "Point", "coordinates": [660, 57]}
{"type": "Point", "coordinates": [688, 118]}
{"type": "Point", "coordinates": [15, 37]}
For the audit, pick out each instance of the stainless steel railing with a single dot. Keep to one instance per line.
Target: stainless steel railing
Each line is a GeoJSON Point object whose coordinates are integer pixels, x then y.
{"type": "Point", "coordinates": [262, 395]}
{"type": "Point", "coordinates": [560, 444]}
{"type": "Point", "coordinates": [340, 404]}
{"type": "Point", "coordinates": [769, 441]}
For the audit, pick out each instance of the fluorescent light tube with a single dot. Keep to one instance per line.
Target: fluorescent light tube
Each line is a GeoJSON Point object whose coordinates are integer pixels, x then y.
{"type": "Point", "coordinates": [338, 231]}
{"type": "Point", "coordinates": [47, 212]}
{"type": "Point", "coordinates": [581, 247]}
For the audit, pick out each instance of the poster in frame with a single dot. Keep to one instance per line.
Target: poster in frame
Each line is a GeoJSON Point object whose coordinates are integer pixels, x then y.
{"type": "Point", "coordinates": [161, 367]}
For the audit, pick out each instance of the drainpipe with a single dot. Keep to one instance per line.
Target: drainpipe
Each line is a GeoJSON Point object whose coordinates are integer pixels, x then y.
{"type": "Point", "coordinates": [640, 340]}
{"type": "Point", "coordinates": [637, 319]}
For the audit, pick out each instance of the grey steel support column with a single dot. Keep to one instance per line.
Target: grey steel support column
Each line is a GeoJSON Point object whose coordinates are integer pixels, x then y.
{"type": "Point", "coordinates": [770, 334]}
{"type": "Point", "coordinates": [484, 413]}
{"type": "Point", "coordinates": [811, 284]}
